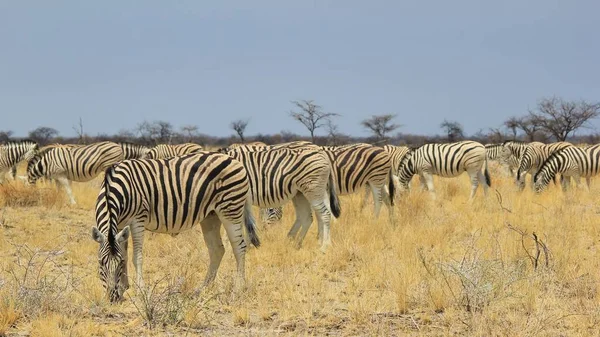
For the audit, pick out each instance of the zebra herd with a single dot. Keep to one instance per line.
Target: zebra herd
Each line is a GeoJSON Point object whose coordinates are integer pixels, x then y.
{"type": "Point", "coordinates": [171, 188]}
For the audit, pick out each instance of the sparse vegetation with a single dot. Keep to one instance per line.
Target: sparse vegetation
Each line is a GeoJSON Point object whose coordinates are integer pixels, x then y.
{"type": "Point", "coordinates": [449, 268]}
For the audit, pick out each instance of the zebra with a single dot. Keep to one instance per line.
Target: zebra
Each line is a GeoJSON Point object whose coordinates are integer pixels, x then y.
{"type": "Point", "coordinates": [302, 174]}
{"type": "Point", "coordinates": [12, 153]}
{"type": "Point", "coordinates": [496, 152]}
{"type": "Point", "coordinates": [79, 163]}
{"type": "Point", "coordinates": [533, 157]}
{"type": "Point", "coordinates": [171, 196]}
{"type": "Point", "coordinates": [570, 161]}
{"type": "Point", "coordinates": [134, 151]}
{"type": "Point", "coordinates": [363, 166]}
{"type": "Point", "coordinates": [396, 153]}
{"type": "Point", "coordinates": [269, 216]}
{"type": "Point", "coordinates": [162, 151]}
{"type": "Point", "coordinates": [446, 160]}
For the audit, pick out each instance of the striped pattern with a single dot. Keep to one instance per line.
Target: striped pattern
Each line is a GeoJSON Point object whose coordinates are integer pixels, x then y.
{"type": "Point", "coordinates": [301, 174]}
{"type": "Point", "coordinates": [162, 151]}
{"type": "Point", "coordinates": [396, 154]}
{"type": "Point", "coordinates": [496, 152]}
{"type": "Point", "coordinates": [533, 157]}
{"type": "Point", "coordinates": [12, 153]}
{"type": "Point", "coordinates": [446, 160]}
{"type": "Point", "coordinates": [360, 166]}
{"type": "Point", "coordinates": [171, 196]}
{"type": "Point", "coordinates": [134, 151]}
{"type": "Point", "coordinates": [79, 163]}
{"type": "Point", "coordinates": [569, 162]}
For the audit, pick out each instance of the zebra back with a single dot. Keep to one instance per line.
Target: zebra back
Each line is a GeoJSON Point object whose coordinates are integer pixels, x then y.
{"type": "Point", "coordinates": [134, 151]}
{"type": "Point", "coordinates": [535, 154]}
{"type": "Point", "coordinates": [163, 151]}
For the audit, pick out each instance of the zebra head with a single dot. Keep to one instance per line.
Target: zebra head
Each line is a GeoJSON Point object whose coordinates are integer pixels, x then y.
{"type": "Point", "coordinates": [35, 169]}
{"type": "Point", "coordinates": [406, 171]}
{"type": "Point", "coordinates": [541, 181]}
{"type": "Point", "coordinates": [112, 260]}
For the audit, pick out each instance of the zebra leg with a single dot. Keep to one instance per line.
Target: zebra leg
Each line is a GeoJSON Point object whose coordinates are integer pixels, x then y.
{"type": "Point", "coordinates": [13, 172]}
{"type": "Point", "coordinates": [323, 218]}
{"type": "Point", "coordinates": [428, 177]}
{"type": "Point", "coordinates": [235, 233]}
{"type": "Point", "coordinates": [377, 196]}
{"type": "Point", "coordinates": [387, 200]}
{"type": "Point", "coordinates": [124, 276]}
{"type": "Point", "coordinates": [137, 238]}
{"type": "Point", "coordinates": [474, 183]}
{"type": "Point", "coordinates": [303, 216]}
{"type": "Point", "coordinates": [67, 185]}
{"type": "Point", "coordinates": [211, 231]}
{"type": "Point", "coordinates": [587, 183]}
{"type": "Point", "coordinates": [481, 179]}
{"type": "Point", "coordinates": [577, 180]}
{"type": "Point", "coordinates": [423, 182]}
{"type": "Point", "coordinates": [363, 204]}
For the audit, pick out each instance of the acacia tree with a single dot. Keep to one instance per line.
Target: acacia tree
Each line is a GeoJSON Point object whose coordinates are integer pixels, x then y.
{"type": "Point", "coordinates": [311, 116]}
{"type": "Point", "coordinates": [380, 125]}
{"type": "Point", "coordinates": [561, 118]}
{"type": "Point", "coordinates": [43, 135]}
{"type": "Point", "coordinates": [512, 124]}
{"type": "Point", "coordinates": [239, 126]}
{"type": "Point", "coordinates": [453, 130]}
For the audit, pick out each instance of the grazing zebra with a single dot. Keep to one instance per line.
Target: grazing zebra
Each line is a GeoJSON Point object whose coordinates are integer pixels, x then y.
{"type": "Point", "coordinates": [134, 151]}
{"type": "Point", "coordinates": [162, 151]}
{"type": "Point", "coordinates": [396, 153]}
{"type": "Point", "coordinates": [363, 166]}
{"type": "Point", "coordinates": [533, 157]}
{"type": "Point", "coordinates": [171, 196]}
{"type": "Point", "coordinates": [446, 160]}
{"type": "Point", "coordinates": [497, 153]}
{"type": "Point", "coordinates": [79, 163]}
{"type": "Point", "coordinates": [570, 161]}
{"type": "Point", "coordinates": [12, 153]}
{"type": "Point", "coordinates": [301, 174]}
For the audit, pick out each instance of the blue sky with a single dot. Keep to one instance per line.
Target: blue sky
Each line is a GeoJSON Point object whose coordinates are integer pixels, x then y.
{"type": "Point", "coordinates": [117, 63]}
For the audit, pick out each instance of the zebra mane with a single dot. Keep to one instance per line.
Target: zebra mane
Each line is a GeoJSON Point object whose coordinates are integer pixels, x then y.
{"type": "Point", "coordinates": [112, 243]}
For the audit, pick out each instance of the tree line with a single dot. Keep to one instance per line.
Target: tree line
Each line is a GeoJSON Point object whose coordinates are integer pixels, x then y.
{"type": "Point", "coordinates": [553, 119]}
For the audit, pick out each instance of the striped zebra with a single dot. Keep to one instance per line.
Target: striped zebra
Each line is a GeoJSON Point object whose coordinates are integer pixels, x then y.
{"type": "Point", "coordinates": [171, 196]}
{"type": "Point", "coordinates": [496, 152]}
{"type": "Point", "coordinates": [134, 151]}
{"type": "Point", "coordinates": [569, 162]}
{"type": "Point", "coordinates": [533, 157]}
{"type": "Point", "coordinates": [446, 160]}
{"type": "Point", "coordinates": [363, 166]}
{"type": "Point", "coordinates": [79, 163]}
{"type": "Point", "coordinates": [12, 153]}
{"type": "Point", "coordinates": [301, 174]}
{"type": "Point", "coordinates": [269, 216]}
{"type": "Point", "coordinates": [162, 151]}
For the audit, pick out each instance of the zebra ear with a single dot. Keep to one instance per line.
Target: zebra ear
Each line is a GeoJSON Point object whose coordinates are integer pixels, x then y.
{"type": "Point", "coordinates": [97, 236]}
{"type": "Point", "coordinates": [123, 235]}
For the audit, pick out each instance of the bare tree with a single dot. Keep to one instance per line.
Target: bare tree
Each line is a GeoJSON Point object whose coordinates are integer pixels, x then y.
{"type": "Point", "coordinates": [561, 118]}
{"type": "Point", "coordinates": [512, 124]}
{"type": "Point", "coordinates": [335, 136]}
{"type": "Point", "coordinates": [5, 136]}
{"type": "Point", "coordinates": [239, 126]}
{"type": "Point", "coordinates": [453, 130]}
{"type": "Point", "coordinates": [189, 132]}
{"type": "Point", "coordinates": [380, 125]}
{"type": "Point", "coordinates": [43, 134]}
{"type": "Point", "coordinates": [155, 132]}
{"type": "Point", "coordinates": [311, 116]}
{"type": "Point", "coordinates": [79, 131]}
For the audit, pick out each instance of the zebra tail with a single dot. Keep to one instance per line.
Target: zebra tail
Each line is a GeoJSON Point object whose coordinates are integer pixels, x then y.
{"type": "Point", "coordinates": [250, 223]}
{"type": "Point", "coordinates": [486, 173]}
{"type": "Point", "coordinates": [336, 210]}
{"type": "Point", "coordinates": [392, 187]}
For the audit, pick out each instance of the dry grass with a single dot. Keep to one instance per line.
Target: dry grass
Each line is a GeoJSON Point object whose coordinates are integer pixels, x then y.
{"type": "Point", "coordinates": [448, 268]}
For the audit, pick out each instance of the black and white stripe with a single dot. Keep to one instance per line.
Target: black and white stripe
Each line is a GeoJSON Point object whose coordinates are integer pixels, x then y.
{"type": "Point", "coordinates": [134, 151]}
{"type": "Point", "coordinates": [12, 153]}
{"type": "Point", "coordinates": [569, 162]}
{"type": "Point", "coordinates": [292, 172]}
{"type": "Point", "coordinates": [360, 166]}
{"type": "Point", "coordinates": [497, 153]}
{"type": "Point", "coordinates": [446, 160]}
{"type": "Point", "coordinates": [533, 157]}
{"type": "Point", "coordinates": [79, 163]}
{"type": "Point", "coordinates": [162, 151]}
{"type": "Point", "coordinates": [171, 196]}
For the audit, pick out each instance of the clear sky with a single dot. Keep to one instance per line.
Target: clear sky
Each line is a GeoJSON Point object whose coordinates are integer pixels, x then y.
{"type": "Point", "coordinates": [117, 63]}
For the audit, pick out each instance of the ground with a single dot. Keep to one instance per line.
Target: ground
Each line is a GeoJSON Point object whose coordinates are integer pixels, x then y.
{"type": "Point", "coordinates": [447, 267]}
